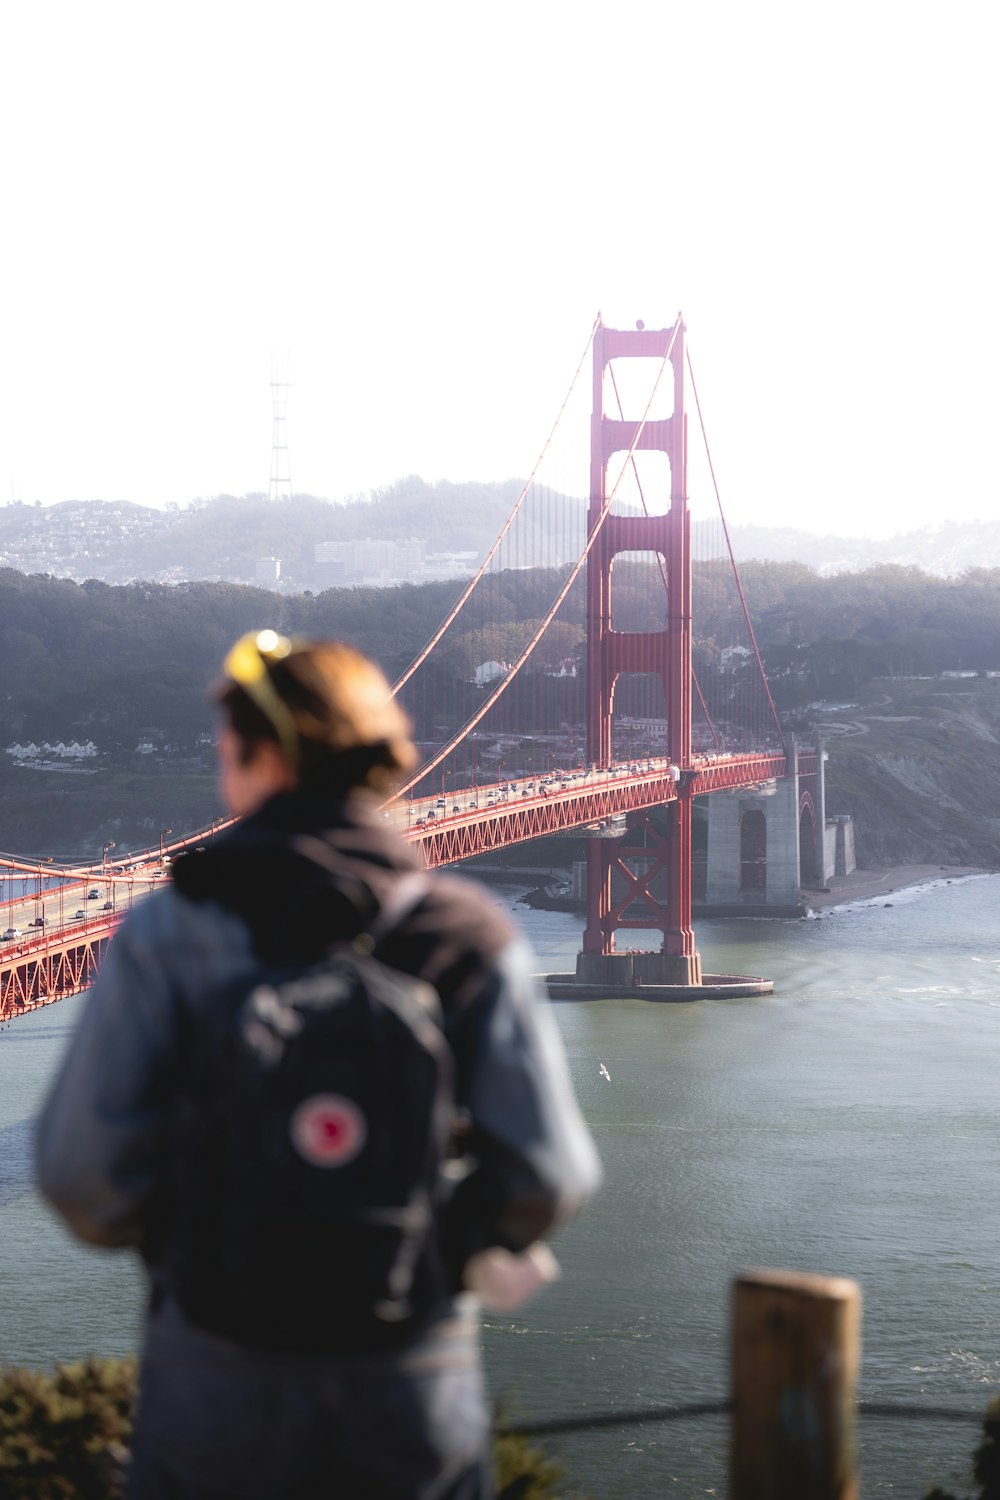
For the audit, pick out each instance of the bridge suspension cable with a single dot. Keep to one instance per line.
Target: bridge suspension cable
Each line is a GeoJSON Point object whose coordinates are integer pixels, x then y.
{"type": "Point", "coordinates": [502, 686]}
{"type": "Point", "coordinates": [732, 557]}
{"type": "Point", "coordinates": [457, 608]}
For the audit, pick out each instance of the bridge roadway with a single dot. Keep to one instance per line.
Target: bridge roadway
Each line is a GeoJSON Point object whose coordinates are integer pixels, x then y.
{"type": "Point", "coordinates": [457, 826]}
{"type": "Point", "coordinates": [58, 956]}
{"type": "Point", "coordinates": [56, 930]}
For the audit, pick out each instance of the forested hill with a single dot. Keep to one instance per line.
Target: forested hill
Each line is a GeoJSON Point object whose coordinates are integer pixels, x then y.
{"type": "Point", "coordinates": [120, 665]}
{"type": "Point", "coordinates": [103, 661]}
{"type": "Point", "coordinates": [830, 634]}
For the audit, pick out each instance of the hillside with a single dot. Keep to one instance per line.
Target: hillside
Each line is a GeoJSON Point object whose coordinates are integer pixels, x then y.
{"type": "Point", "coordinates": [222, 538]}
{"type": "Point", "coordinates": [916, 762]}
{"type": "Point", "coordinates": [914, 758]}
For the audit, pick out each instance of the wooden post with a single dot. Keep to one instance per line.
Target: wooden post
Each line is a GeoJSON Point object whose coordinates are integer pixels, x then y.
{"type": "Point", "coordinates": [795, 1355]}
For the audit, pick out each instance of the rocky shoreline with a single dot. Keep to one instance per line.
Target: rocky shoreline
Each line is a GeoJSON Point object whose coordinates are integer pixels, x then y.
{"type": "Point", "coordinates": [861, 885]}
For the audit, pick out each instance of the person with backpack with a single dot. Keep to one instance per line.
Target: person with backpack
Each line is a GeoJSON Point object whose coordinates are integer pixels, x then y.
{"type": "Point", "coordinates": [315, 1087]}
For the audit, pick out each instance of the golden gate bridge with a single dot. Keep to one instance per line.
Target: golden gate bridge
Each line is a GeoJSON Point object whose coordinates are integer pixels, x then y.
{"type": "Point", "coordinates": [598, 672]}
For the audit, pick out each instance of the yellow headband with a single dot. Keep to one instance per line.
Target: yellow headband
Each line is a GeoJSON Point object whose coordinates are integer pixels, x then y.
{"type": "Point", "coordinates": [246, 665]}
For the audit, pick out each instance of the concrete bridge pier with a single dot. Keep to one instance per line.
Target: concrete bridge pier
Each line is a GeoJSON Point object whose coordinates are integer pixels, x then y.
{"type": "Point", "coordinates": [767, 846]}
{"type": "Point", "coordinates": [753, 848]}
{"type": "Point", "coordinates": [630, 971]}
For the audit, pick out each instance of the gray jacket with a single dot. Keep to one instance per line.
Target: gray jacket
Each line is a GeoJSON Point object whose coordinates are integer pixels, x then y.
{"type": "Point", "coordinates": [104, 1132]}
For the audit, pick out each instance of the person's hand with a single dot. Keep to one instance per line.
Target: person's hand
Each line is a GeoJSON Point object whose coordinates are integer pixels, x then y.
{"type": "Point", "coordinates": [503, 1281]}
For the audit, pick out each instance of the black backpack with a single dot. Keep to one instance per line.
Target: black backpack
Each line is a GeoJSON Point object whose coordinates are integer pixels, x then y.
{"type": "Point", "coordinates": [308, 1153]}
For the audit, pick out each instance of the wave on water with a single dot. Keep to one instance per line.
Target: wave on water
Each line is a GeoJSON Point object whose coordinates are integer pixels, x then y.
{"type": "Point", "coordinates": [931, 989]}
{"type": "Point", "coordinates": [17, 1167]}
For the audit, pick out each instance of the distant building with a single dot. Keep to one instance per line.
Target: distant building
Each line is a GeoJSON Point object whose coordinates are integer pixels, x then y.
{"type": "Point", "coordinates": [370, 561]}
{"type": "Point", "coordinates": [60, 750]}
{"type": "Point", "coordinates": [491, 671]}
{"type": "Point", "coordinates": [382, 563]}
{"type": "Point", "coordinates": [267, 571]}
{"type": "Point", "coordinates": [439, 567]}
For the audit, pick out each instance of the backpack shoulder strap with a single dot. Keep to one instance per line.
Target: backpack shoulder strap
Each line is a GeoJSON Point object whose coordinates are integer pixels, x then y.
{"type": "Point", "coordinates": [406, 895]}
{"type": "Point", "coordinates": [379, 919]}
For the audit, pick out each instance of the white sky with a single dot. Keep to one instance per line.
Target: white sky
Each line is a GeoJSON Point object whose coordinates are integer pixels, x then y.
{"type": "Point", "coordinates": [421, 206]}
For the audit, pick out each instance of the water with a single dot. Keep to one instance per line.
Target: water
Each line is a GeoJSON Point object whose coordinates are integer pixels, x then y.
{"type": "Point", "coordinates": [846, 1124]}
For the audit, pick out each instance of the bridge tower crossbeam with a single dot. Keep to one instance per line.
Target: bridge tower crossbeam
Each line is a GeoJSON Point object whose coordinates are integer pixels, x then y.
{"type": "Point", "coordinates": [666, 654]}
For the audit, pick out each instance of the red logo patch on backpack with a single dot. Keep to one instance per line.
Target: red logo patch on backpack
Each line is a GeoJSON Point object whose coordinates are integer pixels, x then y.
{"type": "Point", "coordinates": [328, 1130]}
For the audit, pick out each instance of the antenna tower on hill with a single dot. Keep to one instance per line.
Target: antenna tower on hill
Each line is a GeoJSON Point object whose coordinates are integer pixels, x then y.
{"type": "Point", "coordinates": [280, 487]}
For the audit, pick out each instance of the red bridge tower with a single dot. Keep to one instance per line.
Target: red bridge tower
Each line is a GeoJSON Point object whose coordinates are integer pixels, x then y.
{"type": "Point", "coordinates": [621, 872]}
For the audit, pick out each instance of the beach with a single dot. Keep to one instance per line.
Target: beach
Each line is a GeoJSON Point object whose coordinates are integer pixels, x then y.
{"type": "Point", "coordinates": [864, 885]}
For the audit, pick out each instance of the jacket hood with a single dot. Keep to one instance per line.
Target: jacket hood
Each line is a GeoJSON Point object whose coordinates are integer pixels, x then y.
{"type": "Point", "coordinates": [302, 871]}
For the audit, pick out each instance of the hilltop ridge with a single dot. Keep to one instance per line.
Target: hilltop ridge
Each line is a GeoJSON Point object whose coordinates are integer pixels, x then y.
{"type": "Point", "coordinates": [221, 539]}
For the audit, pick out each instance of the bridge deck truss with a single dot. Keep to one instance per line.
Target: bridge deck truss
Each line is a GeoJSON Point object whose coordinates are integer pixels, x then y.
{"type": "Point", "coordinates": [50, 970]}
{"type": "Point", "coordinates": [63, 960]}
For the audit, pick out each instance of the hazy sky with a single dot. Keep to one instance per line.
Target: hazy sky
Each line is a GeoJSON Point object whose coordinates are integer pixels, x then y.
{"type": "Point", "coordinates": [421, 206]}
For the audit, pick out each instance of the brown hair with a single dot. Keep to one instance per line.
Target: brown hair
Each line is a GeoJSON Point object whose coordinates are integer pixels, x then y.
{"type": "Point", "coordinates": [351, 731]}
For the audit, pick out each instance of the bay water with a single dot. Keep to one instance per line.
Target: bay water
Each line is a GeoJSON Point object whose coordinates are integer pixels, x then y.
{"type": "Point", "coordinates": [847, 1124]}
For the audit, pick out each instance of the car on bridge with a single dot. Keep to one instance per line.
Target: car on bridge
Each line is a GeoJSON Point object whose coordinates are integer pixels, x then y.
{"type": "Point", "coordinates": [79, 914]}
{"type": "Point", "coordinates": [108, 906]}
{"type": "Point", "coordinates": [38, 922]}
{"type": "Point", "coordinates": [93, 895]}
{"type": "Point", "coordinates": [10, 935]}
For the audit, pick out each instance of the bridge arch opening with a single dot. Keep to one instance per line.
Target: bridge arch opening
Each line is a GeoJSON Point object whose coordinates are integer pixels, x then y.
{"type": "Point", "coordinates": [808, 851]}
{"type": "Point", "coordinates": [638, 593]}
{"type": "Point", "coordinates": [630, 379]}
{"type": "Point", "coordinates": [753, 856]}
{"type": "Point", "coordinates": [638, 717]}
{"type": "Point", "coordinates": [641, 483]}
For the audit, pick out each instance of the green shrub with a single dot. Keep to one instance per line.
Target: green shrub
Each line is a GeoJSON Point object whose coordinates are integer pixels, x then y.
{"type": "Point", "coordinates": [986, 1459]}
{"type": "Point", "coordinates": [986, 1465]}
{"type": "Point", "coordinates": [63, 1434]}
{"type": "Point", "coordinates": [522, 1471]}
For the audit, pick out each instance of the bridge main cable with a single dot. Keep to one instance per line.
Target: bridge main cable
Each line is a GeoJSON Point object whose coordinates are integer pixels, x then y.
{"type": "Point", "coordinates": [498, 692]}
{"type": "Point", "coordinates": [457, 608]}
{"type": "Point", "coordinates": [732, 558]}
